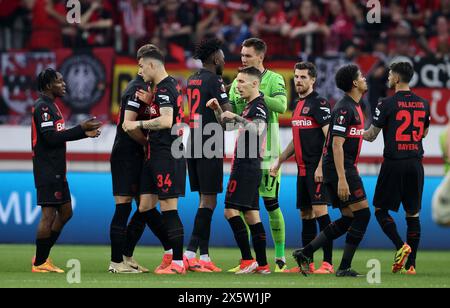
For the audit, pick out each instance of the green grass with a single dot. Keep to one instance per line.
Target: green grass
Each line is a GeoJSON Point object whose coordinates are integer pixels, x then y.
{"type": "Point", "coordinates": [15, 271]}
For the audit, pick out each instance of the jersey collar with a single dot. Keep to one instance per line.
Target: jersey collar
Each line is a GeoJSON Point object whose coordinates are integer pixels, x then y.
{"type": "Point", "coordinates": [46, 98]}
{"type": "Point", "coordinates": [352, 100]}
{"type": "Point", "coordinates": [311, 95]}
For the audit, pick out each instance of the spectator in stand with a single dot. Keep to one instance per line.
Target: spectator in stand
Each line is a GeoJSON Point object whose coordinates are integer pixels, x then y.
{"type": "Point", "coordinates": [291, 8]}
{"type": "Point", "coordinates": [233, 36]}
{"type": "Point", "coordinates": [340, 25]}
{"type": "Point", "coordinates": [377, 78]}
{"type": "Point", "coordinates": [305, 30]}
{"type": "Point", "coordinates": [211, 18]}
{"type": "Point", "coordinates": [48, 17]}
{"type": "Point", "coordinates": [96, 28]}
{"type": "Point", "coordinates": [361, 27]}
{"type": "Point", "coordinates": [245, 8]}
{"type": "Point", "coordinates": [137, 22]}
{"type": "Point", "coordinates": [414, 11]}
{"type": "Point", "coordinates": [8, 17]}
{"type": "Point", "coordinates": [401, 41]}
{"type": "Point", "coordinates": [442, 9]}
{"type": "Point", "coordinates": [267, 25]}
{"type": "Point", "coordinates": [174, 29]}
{"type": "Point", "coordinates": [133, 18]}
{"type": "Point", "coordinates": [439, 44]}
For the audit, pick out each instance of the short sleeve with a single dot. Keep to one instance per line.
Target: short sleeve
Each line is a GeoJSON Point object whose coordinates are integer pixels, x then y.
{"type": "Point", "coordinates": [220, 92]}
{"type": "Point", "coordinates": [381, 113]}
{"type": "Point", "coordinates": [45, 118]}
{"type": "Point", "coordinates": [133, 103]}
{"type": "Point", "coordinates": [342, 121]}
{"type": "Point", "coordinates": [322, 113]}
{"type": "Point", "coordinates": [261, 113]}
{"type": "Point", "coordinates": [164, 99]}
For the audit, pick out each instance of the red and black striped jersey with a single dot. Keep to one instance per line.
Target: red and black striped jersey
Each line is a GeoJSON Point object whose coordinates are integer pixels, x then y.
{"type": "Point", "coordinates": [347, 121]}
{"type": "Point", "coordinates": [404, 118]}
{"type": "Point", "coordinates": [311, 114]}
{"type": "Point", "coordinates": [125, 147]}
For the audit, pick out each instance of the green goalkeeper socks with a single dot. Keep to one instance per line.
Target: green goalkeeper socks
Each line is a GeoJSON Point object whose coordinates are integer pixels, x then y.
{"type": "Point", "coordinates": [278, 229]}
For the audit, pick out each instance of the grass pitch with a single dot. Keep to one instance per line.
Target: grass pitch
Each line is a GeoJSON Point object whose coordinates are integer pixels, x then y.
{"type": "Point", "coordinates": [15, 271]}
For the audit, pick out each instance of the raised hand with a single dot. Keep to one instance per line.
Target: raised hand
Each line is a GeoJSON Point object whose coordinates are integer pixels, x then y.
{"type": "Point", "coordinates": [275, 168]}
{"type": "Point", "coordinates": [91, 124]}
{"type": "Point", "coordinates": [144, 96]}
{"type": "Point", "coordinates": [213, 104]}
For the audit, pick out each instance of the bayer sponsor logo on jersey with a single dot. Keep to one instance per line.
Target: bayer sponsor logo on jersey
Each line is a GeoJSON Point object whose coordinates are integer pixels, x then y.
{"type": "Point", "coordinates": [85, 78]}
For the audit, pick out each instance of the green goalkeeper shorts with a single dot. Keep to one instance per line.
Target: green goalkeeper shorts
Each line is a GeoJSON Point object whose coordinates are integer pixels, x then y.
{"type": "Point", "coordinates": [270, 186]}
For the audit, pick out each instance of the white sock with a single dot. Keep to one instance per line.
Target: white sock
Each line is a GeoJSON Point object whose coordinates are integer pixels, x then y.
{"type": "Point", "coordinates": [190, 254]}
{"type": "Point", "coordinates": [205, 258]}
{"type": "Point", "coordinates": [179, 263]}
{"type": "Point", "coordinates": [168, 252]}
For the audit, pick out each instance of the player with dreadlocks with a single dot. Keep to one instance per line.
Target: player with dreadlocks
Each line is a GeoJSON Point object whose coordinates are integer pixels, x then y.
{"type": "Point", "coordinates": [205, 174]}
{"type": "Point", "coordinates": [48, 138]}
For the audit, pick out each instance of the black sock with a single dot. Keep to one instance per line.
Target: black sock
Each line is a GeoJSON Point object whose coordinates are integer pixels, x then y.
{"type": "Point", "coordinates": [355, 235]}
{"type": "Point", "coordinates": [414, 233]}
{"type": "Point", "coordinates": [201, 232]}
{"type": "Point", "coordinates": [241, 236]}
{"type": "Point", "coordinates": [175, 231]}
{"type": "Point", "coordinates": [155, 221]}
{"type": "Point", "coordinates": [206, 234]}
{"type": "Point", "coordinates": [43, 247]}
{"type": "Point", "coordinates": [135, 229]}
{"type": "Point", "coordinates": [389, 227]}
{"type": "Point", "coordinates": [54, 238]}
{"type": "Point", "coordinates": [333, 231]}
{"type": "Point", "coordinates": [259, 243]}
{"type": "Point", "coordinates": [324, 221]}
{"type": "Point", "coordinates": [309, 231]}
{"type": "Point", "coordinates": [118, 231]}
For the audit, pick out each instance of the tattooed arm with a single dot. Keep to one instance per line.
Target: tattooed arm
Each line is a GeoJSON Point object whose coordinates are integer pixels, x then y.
{"type": "Point", "coordinates": [164, 121]}
{"type": "Point", "coordinates": [372, 133]}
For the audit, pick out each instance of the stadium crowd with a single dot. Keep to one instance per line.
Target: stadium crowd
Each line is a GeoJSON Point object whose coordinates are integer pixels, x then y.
{"type": "Point", "coordinates": [290, 27]}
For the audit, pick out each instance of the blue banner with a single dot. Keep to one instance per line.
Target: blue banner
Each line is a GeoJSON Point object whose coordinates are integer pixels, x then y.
{"type": "Point", "coordinates": [94, 207]}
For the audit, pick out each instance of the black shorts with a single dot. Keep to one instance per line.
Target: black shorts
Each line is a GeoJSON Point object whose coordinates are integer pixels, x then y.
{"type": "Point", "coordinates": [164, 178]}
{"type": "Point", "coordinates": [206, 175]}
{"type": "Point", "coordinates": [126, 177]}
{"type": "Point", "coordinates": [400, 181]}
{"type": "Point", "coordinates": [53, 195]}
{"type": "Point", "coordinates": [310, 193]}
{"type": "Point", "coordinates": [243, 187]}
{"type": "Point", "coordinates": [357, 192]}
